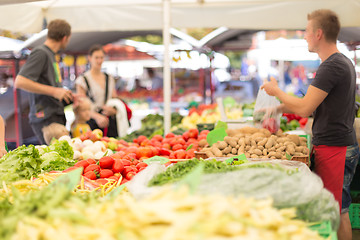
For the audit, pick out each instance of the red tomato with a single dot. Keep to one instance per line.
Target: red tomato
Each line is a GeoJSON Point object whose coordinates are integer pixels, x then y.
{"type": "Point", "coordinates": [128, 169]}
{"type": "Point", "coordinates": [126, 162]}
{"type": "Point", "coordinates": [130, 175]}
{"type": "Point", "coordinates": [170, 135]}
{"type": "Point", "coordinates": [117, 166]}
{"type": "Point", "coordinates": [106, 162]}
{"type": "Point", "coordinates": [135, 162]}
{"type": "Point", "coordinates": [141, 165]}
{"type": "Point", "coordinates": [83, 163]}
{"type": "Point", "coordinates": [105, 173]}
{"type": "Point", "coordinates": [116, 178]}
{"type": "Point", "coordinates": [92, 168]}
{"type": "Point", "coordinates": [164, 151]}
{"type": "Point", "coordinates": [90, 175]}
{"type": "Point", "coordinates": [91, 161]}
{"type": "Point", "coordinates": [142, 168]}
{"type": "Point", "coordinates": [177, 147]}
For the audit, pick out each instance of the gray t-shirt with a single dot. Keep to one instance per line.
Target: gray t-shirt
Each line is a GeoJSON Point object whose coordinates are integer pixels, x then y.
{"type": "Point", "coordinates": [41, 67]}
{"type": "Point", "coordinates": [334, 117]}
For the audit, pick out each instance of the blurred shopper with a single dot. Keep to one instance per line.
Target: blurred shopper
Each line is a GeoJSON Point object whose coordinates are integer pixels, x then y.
{"type": "Point", "coordinates": [331, 97]}
{"type": "Point", "coordinates": [2, 137]}
{"type": "Point", "coordinates": [99, 87]}
{"type": "Point", "coordinates": [82, 111]}
{"type": "Point", "coordinates": [41, 77]}
{"type": "Point", "coordinates": [156, 81]}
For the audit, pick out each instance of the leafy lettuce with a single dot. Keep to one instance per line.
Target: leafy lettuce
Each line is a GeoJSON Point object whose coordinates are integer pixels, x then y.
{"type": "Point", "coordinates": [23, 162]}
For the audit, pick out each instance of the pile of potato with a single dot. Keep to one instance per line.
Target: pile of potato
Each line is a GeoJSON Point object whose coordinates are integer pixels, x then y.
{"type": "Point", "coordinates": [258, 143]}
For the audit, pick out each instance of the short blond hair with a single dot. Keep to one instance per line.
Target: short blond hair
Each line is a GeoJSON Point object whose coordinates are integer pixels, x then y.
{"type": "Point", "coordinates": [54, 130]}
{"type": "Point", "coordinates": [81, 102]}
{"type": "Point", "coordinates": [327, 21]}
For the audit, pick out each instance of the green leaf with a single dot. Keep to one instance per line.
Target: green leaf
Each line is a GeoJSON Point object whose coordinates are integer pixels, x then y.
{"type": "Point", "coordinates": [216, 135]}
{"type": "Point", "coordinates": [161, 160]}
{"type": "Point", "coordinates": [221, 124]}
{"type": "Point", "coordinates": [189, 147]}
{"type": "Point", "coordinates": [241, 158]}
{"type": "Point", "coordinates": [70, 179]}
{"type": "Point", "coordinates": [288, 157]}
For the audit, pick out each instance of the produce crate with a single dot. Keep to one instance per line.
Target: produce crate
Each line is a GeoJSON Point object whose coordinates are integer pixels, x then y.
{"type": "Point", "coordinates": [354, 214]}
{"type": "Point", "coordinates": [205, 126]}
{"type": "Point", "coordinates": [325, 230]}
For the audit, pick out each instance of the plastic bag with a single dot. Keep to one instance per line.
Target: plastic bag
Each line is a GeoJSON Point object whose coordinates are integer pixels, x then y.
{"type": "Point", "coordinates": [265, 111]}
{"type": "Point", "coordinates": [303, 190]}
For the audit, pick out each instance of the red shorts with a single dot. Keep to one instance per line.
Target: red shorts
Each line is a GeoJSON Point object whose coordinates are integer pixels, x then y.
{"type": "Point", "coordinates": [329, 165]}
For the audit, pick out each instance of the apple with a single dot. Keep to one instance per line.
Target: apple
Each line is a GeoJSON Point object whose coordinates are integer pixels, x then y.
{"type": "Point", "coordinates": [112, 145]}
{"type": "Point", "coordinates": [98, 133]}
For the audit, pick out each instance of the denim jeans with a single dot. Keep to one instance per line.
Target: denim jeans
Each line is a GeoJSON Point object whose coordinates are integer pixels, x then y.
{"type": "Point", "coordinates": [351, 161]}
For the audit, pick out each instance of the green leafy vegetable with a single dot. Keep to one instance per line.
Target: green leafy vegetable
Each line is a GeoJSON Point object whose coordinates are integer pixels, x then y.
{"type": "Point", "coordinates": [179, 170]}
{"type": "Point", "coordinates": [62, 148]}
{"type": "Point", "coordinates": [52, 161]}
{"type": "Point", "coordinates": [23, 162]}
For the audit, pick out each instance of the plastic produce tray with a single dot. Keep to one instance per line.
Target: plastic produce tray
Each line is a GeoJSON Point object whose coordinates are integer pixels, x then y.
{"type": "Point", "coordinates": [354, 214]}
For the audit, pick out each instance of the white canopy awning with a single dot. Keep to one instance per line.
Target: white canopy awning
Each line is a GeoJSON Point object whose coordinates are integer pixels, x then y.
{"type": "Point", "coordinates": [111, 15]}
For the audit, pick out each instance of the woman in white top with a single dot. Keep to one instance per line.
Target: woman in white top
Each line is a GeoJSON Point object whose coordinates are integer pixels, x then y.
{"type": "Point", "coordinates": [99, 87]}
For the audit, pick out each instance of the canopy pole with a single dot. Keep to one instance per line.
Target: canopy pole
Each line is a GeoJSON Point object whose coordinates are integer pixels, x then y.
{"type": "Point", "coordinates": [166, 66]}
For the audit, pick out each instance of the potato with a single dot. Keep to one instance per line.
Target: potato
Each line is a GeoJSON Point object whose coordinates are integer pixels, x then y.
{"type": "Point", "coordinates": [277, 145]}
{"type": "Point", "coordinates": [253, 143]}
{"type": "Point", "coordinates": [216, 151]}
{"type": "Point", "coordinates": [258, 152]}
{"type": "Point", "coordinates": [298, 149]}
{"type": "Point", "coordinates": [270, 142]}
{"type": "Point", "coordinates": [241, 141]}
{"type": "Point", "coordinates": [261, 148]}
{"type": "Point", "coordinates": [266, 132]}
{"type": "Point", "coordinates": [281, 149]}
{"type": "Point", "coordinates": [300, 154]}
{"type": "Point", "coordinates": [295, 139]}
{"type": "Point", "coordinates": [242, 148]}
{"type": "Point", "coordinates": [254, 156]}
{"type": "Point", "coordinates": [234, 151]}
{"type": "Point", "coordinates": [240, 151]}
{"type": "Point", "coordinates": [230, 140]}
{"type": "Point", "coordinates": [290, 149]}
{"type": "Point", "coordinates": [273, 149]}
{"type": "Point", "coordinates": [227, 150]}
{"type": "Point", "coordinates": [247, 140]}
{"type": "Point", "coordinates": [262, 142]}
{"type": "Point", "coordinates": [271, 154]}
{"type": "Point", "coordinates": [249, 130]}
{"type": "Point", "coordinates": [303, 144]}
{"type": "Point", "coordinates": [265, 153]}
{"type": "Point", "coordinates": [237, 146]}
{"type": "Point", "coordinates": [230, 155]}
{"type": "Point", "coordinates": [231, 132]}
{"type": "Point", "coordinates": [278, 155]}
{"type": "Point", "coordinates": [247, 155]}
{"type": "Point", "coordinates": [247, 148]}
{"type": "Point", "coordinates": [221, 145]}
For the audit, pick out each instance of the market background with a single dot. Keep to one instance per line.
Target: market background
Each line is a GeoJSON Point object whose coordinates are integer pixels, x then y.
{"type": "Point", "coordinates": [202, 49]}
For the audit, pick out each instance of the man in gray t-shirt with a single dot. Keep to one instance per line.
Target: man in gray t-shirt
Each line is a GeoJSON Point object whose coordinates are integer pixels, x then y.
{"type": "Point", "coordinates": [41, 77]}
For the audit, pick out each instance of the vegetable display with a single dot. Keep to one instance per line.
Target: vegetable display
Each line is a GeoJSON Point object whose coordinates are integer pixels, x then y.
{"type": "Point", "coordinates": [55, 212]}
{"type": "Point", "coordinates": [258, 143]}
